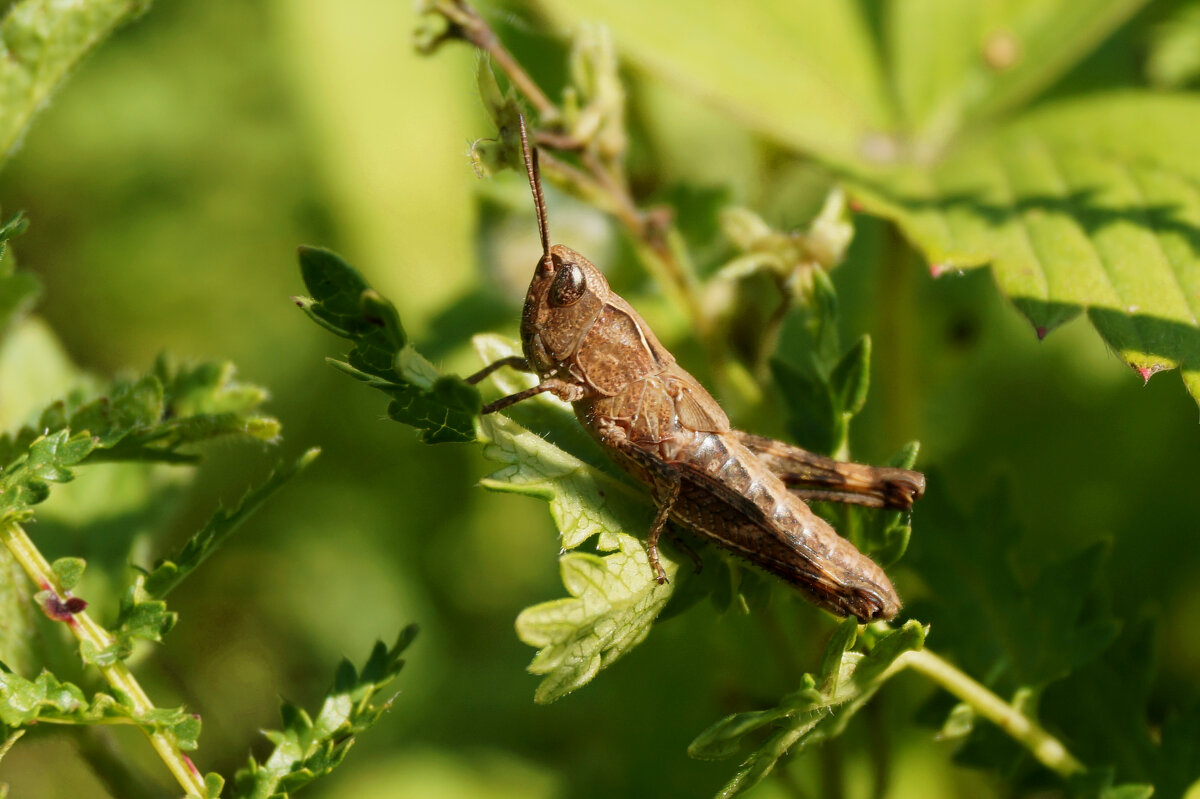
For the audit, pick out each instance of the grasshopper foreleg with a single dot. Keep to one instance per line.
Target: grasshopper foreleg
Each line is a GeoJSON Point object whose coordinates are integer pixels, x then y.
{"type": "Point", "coordinates": [568, 392]}
{"type": "Point", "coordinates": [517, 362]}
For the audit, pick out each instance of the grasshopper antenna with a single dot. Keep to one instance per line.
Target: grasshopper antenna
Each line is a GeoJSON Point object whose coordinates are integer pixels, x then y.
{"type": "Point", "coordinates": [535, 183]}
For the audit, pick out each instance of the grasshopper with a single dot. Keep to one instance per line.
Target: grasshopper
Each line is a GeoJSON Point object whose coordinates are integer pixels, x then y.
{"type": "Point", "coordinates": [746, 493]}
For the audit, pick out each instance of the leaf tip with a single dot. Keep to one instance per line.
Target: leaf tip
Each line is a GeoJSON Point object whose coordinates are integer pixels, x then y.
{"type": "Point", "coordinates": [1147, 371]}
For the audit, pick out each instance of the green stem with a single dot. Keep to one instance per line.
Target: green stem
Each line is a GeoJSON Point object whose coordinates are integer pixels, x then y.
{"type": "Point", "coordinates": [118, 674]}
{"type": "Point", "coordinates": [1049, 751]}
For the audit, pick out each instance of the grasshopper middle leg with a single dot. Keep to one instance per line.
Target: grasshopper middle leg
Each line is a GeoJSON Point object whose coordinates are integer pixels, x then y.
{"type": "Point", "coordinates": [559, 388]}
{"type": "Point", "coordinates": [666, 501]}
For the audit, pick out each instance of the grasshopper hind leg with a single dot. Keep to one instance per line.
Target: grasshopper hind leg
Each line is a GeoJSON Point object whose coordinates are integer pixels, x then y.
{"type": "Point", "coordinates": [666, 501]}
{"type": "Point", "coordinates": [817, 477]}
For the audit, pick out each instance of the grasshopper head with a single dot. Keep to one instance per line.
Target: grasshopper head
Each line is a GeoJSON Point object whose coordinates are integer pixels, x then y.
{"type": "Point", "coordinates": [565, 296]}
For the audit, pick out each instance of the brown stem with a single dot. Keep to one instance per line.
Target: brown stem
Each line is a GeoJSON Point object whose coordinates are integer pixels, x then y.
{"type": "Point", "coordinates": [597, 181]}
{"type": "Point", "coordinates": [466, 24]}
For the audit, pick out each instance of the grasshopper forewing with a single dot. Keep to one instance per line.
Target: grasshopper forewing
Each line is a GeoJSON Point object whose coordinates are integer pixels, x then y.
{"type": "Point", "coordinates": [592, 349]}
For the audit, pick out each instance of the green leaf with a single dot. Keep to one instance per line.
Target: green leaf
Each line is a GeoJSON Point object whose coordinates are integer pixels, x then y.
{"type": "Point", "coordinates": [442, 408]}
{"type": "Point", "coordinates": [47, 699]}
{"type": "Point", "coordinates": [851, 377]}
{"type": "Point", "coordinates": [614, 601]}
{"type": "Point", "coordinates": [40, 42]}
{"type": "Point", "coordinates": [810, 74]}
{"type": "Point", "coordinates": [308, 748]}
{"type": "Point", "coordinates": [167, 574]}
{"type": "Point", "coordinates": [24, 482]}
{"type": "Point", "coordinates": [68, 571]}
{"type": "Point", "coordinates": [214, 785]}
{"type": "Point", "coordinates": [614, 597]}
{"type": "Point", "coordinates": [814, 419]}
{"type": "Point", "coordinates": [834, 87]}
{"type": "Point", "coordinates": [139, 616]}
{"type": "Point", "coordinates": [148, 419]}
{"type": "Point", "coordinates": [1103, 713]}
{"type": "Point", "coordinates": [1037, 630]}
{"type": "Point", "coordinates": [1174, 59]}
{"type": "Point", "coordinates": [1090, 205]}
{"type": "Point", "coordinates": [819, 710]}
{"type": "Point", "coordinates": [955, 65]}
{"type": "Point", "coordinates": [11, 739]}
{"type": "Point", "coordinates": [18, 290]}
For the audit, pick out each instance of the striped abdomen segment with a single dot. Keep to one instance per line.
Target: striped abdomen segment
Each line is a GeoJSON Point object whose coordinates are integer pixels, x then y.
{"type": "Point", "coordinates": [727, 495]}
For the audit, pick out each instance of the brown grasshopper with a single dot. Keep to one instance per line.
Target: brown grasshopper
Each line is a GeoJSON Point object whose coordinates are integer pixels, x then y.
{"type": "Point", "coordinates": [745, 492]}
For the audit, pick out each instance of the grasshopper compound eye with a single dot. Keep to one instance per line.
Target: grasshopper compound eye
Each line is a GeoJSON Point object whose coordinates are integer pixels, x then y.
{"type": "Point", "coordinates": [568, 286]}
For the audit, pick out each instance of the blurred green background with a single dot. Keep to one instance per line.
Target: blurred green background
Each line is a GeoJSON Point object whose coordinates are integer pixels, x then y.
{"type": "Point", "coordinates": [168, 186]}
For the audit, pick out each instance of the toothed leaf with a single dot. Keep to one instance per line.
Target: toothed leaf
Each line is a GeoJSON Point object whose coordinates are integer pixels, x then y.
{"type": "Point", "coordinates": [443, 408]}
{"type": "Point", "coordinates": [819, 710]}
{"type": "Point", "coordinates": [614, 597]}
{"type": "Point", "coordinates": [308, 748]}
{"type": "Point", "coordinates": [47, 699]}
{"type": "Point", "coordinates": [167, 573]}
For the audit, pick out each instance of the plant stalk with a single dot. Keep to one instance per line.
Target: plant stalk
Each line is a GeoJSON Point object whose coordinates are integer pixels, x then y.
{"type": "Point", "coordinates": [118, 675]}
{"type": "Point", "coordinates": [1048, 750]}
